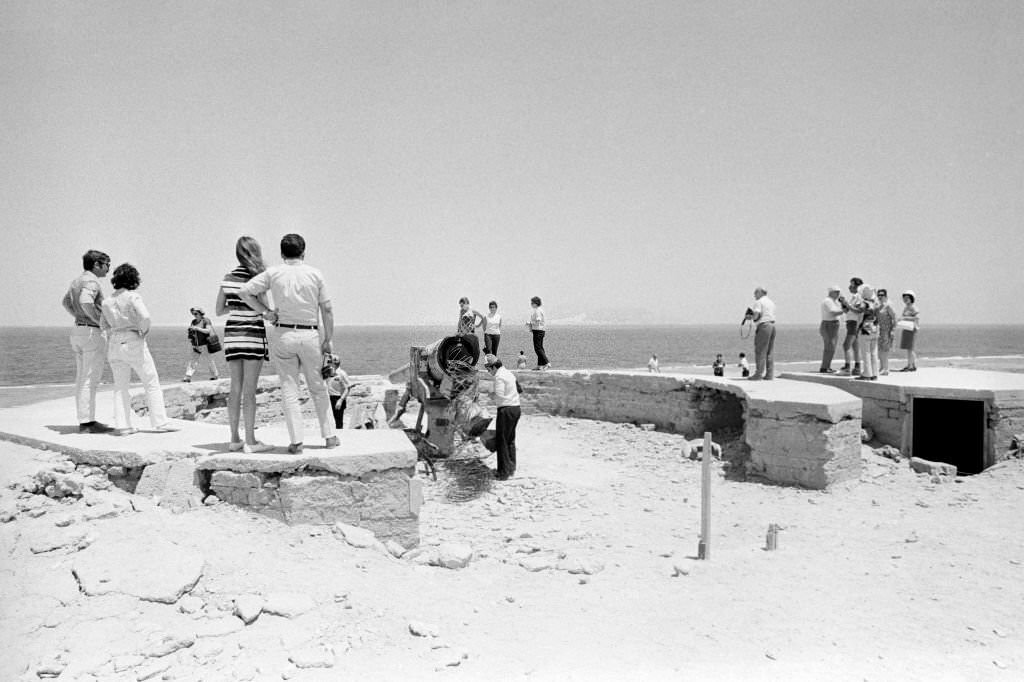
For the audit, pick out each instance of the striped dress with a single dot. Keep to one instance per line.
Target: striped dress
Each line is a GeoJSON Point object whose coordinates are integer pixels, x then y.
{"type": "Point", "coordinates": [244, 335]}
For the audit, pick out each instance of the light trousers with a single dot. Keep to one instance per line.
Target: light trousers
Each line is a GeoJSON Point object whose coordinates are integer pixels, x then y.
{"type": "Point", "coordinates": [869, 356]}
{"type": "Point", "coordinates": [293, 351]}
{"type": "Point", "coordinates": [128, 351]}
{"type": "Point", "coordinates": [89, 346]}
{"type": "Point", "coordinates": [764, 350]}
{"type": "Point", "coordinates": [193, 362]}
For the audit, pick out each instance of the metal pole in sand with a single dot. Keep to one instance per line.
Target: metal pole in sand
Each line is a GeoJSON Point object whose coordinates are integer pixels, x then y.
{"type": "Point", "coordinates": [704, 546]}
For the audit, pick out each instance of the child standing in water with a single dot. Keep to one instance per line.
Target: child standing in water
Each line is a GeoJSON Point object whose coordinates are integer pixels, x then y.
{"type": "Point", "coordinates": [652, 364]}
{"type": "Point", "coordinates": [521, 362]}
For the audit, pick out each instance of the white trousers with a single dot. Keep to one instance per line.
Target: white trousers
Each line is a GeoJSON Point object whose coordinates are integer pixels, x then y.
{"type": "Point", "coordinates": [128, 351]}
{"type": "Point", "coordinates": [293, 351]}
{"type": "Point", "coordinates": [193, 362]}
{"type": "Point", "coordinates": [89, 346]}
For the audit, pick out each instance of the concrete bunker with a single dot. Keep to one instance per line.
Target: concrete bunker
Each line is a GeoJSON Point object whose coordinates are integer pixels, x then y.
{"type": "Point", "coordinates": [951, 431]}
{"type": "Point", "coordinates": [775, 431]}
{"type": "Point", "coordinates": [972, 419]}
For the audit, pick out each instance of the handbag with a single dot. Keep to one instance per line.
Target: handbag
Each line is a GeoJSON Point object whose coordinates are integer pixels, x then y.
{"type": "Point", "coordinates": [213, 342]}
{"type": "Point", "coordinates": [905, 325]}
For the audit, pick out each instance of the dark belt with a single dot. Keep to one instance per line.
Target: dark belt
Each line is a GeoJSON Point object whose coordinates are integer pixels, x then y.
{"type": "Point", "coordinates": [295, 326]}
{"type": "Point", "coordinates": [86, 324]}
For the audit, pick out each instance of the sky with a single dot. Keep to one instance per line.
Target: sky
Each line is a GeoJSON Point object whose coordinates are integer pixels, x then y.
{"type": "Point", "coordinates": [626, 161]}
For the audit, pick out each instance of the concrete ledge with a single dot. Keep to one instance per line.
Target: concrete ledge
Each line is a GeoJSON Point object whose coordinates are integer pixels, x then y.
{"type": "Point", "coordinates": [361, 452]}
{"type": "Point", "coordinates": [796, 433]}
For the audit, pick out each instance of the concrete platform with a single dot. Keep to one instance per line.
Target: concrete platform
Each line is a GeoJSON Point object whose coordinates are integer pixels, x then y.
{"type": "Point", "coordinates": [889, 410]}
{"type": "Point", "coordinates": [51, 425]}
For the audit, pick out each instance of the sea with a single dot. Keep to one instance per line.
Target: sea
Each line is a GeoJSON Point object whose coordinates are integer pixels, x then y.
{"type": "Point", "coordinates": [31, 356]}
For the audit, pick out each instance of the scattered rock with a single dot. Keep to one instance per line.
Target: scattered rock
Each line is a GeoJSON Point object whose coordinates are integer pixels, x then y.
{"type": "Point", "coordinates": [394, 549]}
{"type": "Point", "coordinates": [248, 607]}
{"type": "Point", "coordinates": [122, 663]}
{"type": "Point", "coordinates": [679, 570]}
{"type": "Point", "coordinates": [58, 484]}
{"type": "Point", "coordinates": [450, 658]}
{"type": "Point", "coordinates": [190, 604]}
{"type": "Point", "coordinates": [866, 434]}
{"type": "Point", "coordinates": [692, 449]}
{"type": "Point", "coordinates": [151, 569]}
{"type": "Point", "coordinates": [54, 540]}
{"type": "Point", "coordinates": [211, 500]}
{"type": "Point", "coordinates": [218, 627]}
{"type": "Point", "coordinates": [581, 565]}
{"type": "Point", "coordinates": [423, 556]}
{"type": "Point", "coordinates": [454, 555]}
{"type": "Point", "coordinates": [51, 668]}
{"type": "Point", "coordinates": [889, 452]}
{"type": "Point", "coordinates": [358, 537]}
{"type": "Point", "coordinates": [421, 629]}
{"type": "Point", "coordinates": [64, 520]}
{"type": "Point", "coordinates": [535, 564]}
{"type": "Point", "coordinates": [312, 657]}
{"type": "Point", "coordinates": [152, 669]}
{"type": "Point", "coordinates": [648, 427]}
{"type": "Point", "coordinates": [168, 644]}
{"type": "Point", "coordinates": [288, 604]}
{"type": "Point", "coordinates": [103, 510]}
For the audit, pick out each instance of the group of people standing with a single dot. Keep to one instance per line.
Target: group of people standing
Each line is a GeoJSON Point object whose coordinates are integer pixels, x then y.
{"type": "Point", "coordinates": [292, 298]}
{"type": "Point", "coordinates": [470, 319]}
{"type": "Point", "coordinates": [871, 324]}
{"type": "Point", "coordinates": [111, 330]}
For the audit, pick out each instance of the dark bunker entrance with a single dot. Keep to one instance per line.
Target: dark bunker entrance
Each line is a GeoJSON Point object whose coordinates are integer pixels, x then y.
{"type": "Point", "coordinates": [950, 431]}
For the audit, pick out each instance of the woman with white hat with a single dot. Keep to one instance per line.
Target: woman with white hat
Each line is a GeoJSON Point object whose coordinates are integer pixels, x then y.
{"type": "Point", "coordinates": [909, 322]}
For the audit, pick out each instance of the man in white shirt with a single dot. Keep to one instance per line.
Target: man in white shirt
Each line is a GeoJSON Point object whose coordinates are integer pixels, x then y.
{"type": "Point", "coordinates": [506, 400]}
{"type": "Point", "coordinates": [297, 341]}
{"type": "Point", "coordinates": [762, 313]}
{"type": "Point", "coordinates": [83, 302]}
{"type": "Point", "coordinates": [831, 312]}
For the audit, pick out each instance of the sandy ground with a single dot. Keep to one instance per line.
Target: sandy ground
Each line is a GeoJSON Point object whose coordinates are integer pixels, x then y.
{"type": "Point", "coordinates": [891, 577]}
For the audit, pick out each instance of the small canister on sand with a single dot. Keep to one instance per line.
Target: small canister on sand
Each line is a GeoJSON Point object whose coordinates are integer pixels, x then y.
{"type": "Point", "coordinates": [772, 539]}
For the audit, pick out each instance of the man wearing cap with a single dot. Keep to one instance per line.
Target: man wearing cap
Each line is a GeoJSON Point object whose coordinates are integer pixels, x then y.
{"type": "Point", "coordinates": [506, 400]}
{"type": "Point", "coordinates": [88, 343]}
{"type": "Point", "coordinates": [831, 312]}
{"type": "Point", "coordinates": [199, 335]}
{"type": "Point", "coordinates": [762, 313]}
{"type": "Point", "coordinates": [297, 340]}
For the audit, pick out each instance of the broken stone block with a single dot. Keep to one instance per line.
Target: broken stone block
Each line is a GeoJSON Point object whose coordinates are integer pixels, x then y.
{"type": "Point", "coordinates": [176, 484]}
{"type": "Point", "coordinates": [288, 604]}
{"type": "Point", "coordinates": [454, 555]}
{"type": "Point", "coordinates": [421, 629]}
{"type": "Point", "coordinates": [924, 466]}
{"type": "Point", "coordinates": [248, 607]}
{"type": "Point", "coordinates": [151, 569]}
{"type": "Point", "coordinates": [312, 657]}
{"type": "Point", "coordinates": [889, 452]}
{"type": "Point", "coordinates": [358, 537]}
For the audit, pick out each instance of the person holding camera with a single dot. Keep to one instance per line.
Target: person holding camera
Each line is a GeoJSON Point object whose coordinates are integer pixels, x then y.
{"type": "Point", "coordinates": [831, 312]}
{"type": "Point", "coordinates": [202, 336]}
{"type": "Point", "coordinates": [297, 341]}
{"type": "Point", "coordinates": [762, 314]}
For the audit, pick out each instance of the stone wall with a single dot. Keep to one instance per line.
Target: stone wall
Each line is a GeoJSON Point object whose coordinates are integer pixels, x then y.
{"type": "Point", "coordinates": [793, 436]}
{"type": "Point", "coordinates": [370, 482]}
{"type": "Point", "coordinates": [386, 503]}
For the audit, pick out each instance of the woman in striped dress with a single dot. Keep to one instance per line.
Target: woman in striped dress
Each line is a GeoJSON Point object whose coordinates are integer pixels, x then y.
{"type": "Point", "coordinates": [245, 345]}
